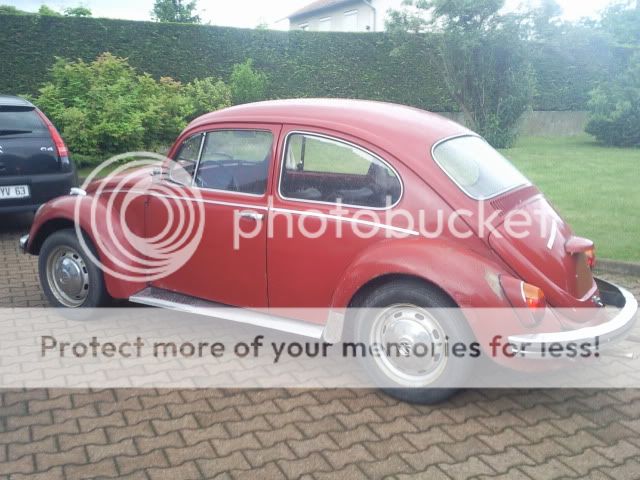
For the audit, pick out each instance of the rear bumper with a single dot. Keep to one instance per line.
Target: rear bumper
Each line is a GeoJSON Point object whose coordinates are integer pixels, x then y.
{"type": "Point", "coordinates": [604, 335]}
{"type": "Point", "coordinates": [42, 188]}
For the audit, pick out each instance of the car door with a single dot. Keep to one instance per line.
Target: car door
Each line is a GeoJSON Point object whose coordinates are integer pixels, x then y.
{"type": "Point", "coordinates": [314, 238]}
{"type": "Point", "coordinates": [228, 167]}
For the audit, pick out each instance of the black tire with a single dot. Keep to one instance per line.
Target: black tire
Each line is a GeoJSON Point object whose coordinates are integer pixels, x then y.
{"type": "Point", "coordinates": [96, 292]}
{"type": "Point", "coordinates": [415, 293]}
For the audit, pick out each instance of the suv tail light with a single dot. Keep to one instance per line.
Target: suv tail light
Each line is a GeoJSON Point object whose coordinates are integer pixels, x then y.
{"type": "Point", "coordinates": [63, 151]}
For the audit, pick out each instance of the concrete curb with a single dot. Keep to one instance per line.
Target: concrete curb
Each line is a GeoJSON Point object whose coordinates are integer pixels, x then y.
{"type": "Point", "coordinates": [622, 268]}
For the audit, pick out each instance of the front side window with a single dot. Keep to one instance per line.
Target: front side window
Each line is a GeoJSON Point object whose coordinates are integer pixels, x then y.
{"type": "Point", "coordinates": [186, 160]}
{"type": "Point", "coordinates": [236, 161]}
{"type": "Point", "coordinates": [330, 171]}
{"type": "Point", "coordinates": [477, 168]}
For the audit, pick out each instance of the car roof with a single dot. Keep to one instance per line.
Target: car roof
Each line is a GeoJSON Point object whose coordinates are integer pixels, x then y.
{"type": "Point", "coordinates": [13, 101]}
{"type": "Point", "coordinates": [395, 128]}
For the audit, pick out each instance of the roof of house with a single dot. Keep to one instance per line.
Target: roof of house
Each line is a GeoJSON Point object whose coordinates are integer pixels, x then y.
{"type": "Point", "coordinates": [317, 6]}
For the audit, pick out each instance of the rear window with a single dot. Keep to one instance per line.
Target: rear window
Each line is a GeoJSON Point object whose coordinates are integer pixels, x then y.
{"type": "Point", "coordinates": [477, 168]}
{"type": "Point", "coordinates": [20, 120]}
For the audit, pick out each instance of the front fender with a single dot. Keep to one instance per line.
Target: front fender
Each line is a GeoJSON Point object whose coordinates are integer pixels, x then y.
{"type": "Point", "coordinates": [60, 213]}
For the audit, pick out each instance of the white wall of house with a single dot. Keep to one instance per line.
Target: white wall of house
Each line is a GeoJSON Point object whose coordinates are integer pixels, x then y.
{"type": "Point", "coordinates": [357, 16]}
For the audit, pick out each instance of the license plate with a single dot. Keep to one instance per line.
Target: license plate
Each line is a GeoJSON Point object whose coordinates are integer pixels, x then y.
{"type": "Point", "coordinates": [14, 191]}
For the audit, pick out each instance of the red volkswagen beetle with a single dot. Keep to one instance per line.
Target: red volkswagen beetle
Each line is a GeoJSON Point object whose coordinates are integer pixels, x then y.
{"type": "Point", "coordinates": [333, 204]}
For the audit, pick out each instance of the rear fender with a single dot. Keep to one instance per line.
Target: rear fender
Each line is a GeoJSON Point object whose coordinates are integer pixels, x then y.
{"type": "Point", "coordinates": [469, 278]}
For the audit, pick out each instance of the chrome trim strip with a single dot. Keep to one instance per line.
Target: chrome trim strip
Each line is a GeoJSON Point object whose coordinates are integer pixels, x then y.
{"type": "Point", "coordinates": [610, 331]}
{"type": "Point", "coordinates": [284, 210]}
{"type": "Point", "coordinates": [23, 242]}
{"type": "Point", "coordinates": [552, 236]}
{"type": "Point", "coordinates": [346, 142]}
{"type": "Point", "coordinates": [153, 297]}
{"type": "Point", "coordinates": [482, 199]}
{"type": "Point", "coordinates": [346, 219]}
{"type": "Point", "coordinates": [200, 200]}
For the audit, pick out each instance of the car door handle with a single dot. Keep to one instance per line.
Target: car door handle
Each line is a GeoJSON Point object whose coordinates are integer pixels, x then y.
{"type": "Point", "coordinates": [252, 215]}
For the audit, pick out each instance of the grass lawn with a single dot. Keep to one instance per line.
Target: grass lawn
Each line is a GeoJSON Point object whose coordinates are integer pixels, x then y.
{"type": "Point", "coordinates": [596, 189]}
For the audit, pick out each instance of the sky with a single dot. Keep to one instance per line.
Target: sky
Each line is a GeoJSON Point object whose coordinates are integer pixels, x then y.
{"type": "Point", "coordinates": [248, 13]}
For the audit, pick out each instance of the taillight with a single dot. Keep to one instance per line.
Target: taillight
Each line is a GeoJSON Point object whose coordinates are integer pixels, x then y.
{"type": "Point", "coordinates": [63, 151]}
{"type": "Point", "coordinates": [533, 296]}
{"type": "Point", "coordinates": [591, 257]}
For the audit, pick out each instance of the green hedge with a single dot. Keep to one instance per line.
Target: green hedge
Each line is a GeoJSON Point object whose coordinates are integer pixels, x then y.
{"type": "Point", "coordinates": [299, 64]}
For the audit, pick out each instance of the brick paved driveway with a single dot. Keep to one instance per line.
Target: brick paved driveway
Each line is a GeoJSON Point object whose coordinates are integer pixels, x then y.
{"type": "Point", "coordinates": [256, 434]}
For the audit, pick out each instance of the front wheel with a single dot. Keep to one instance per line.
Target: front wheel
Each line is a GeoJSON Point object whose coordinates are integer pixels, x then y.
{"type": "Point", "coordinates": [402, 316]}
{"type": "Point", "coordinates": [67, 275]}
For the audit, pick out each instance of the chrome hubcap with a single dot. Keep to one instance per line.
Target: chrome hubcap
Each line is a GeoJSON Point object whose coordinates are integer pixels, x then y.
{"type": "Point", "coordinates": [414, 344]}
{"type": "Point", "coordinates": [67, 276]}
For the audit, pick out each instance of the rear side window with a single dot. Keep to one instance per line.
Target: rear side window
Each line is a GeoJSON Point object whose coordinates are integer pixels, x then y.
{"type": "Point", "coordinates": [477, 168]}
{"type": "Point", "coordinates": [20, 120]}
{"type": "Point", "coordinates": [326, 170]}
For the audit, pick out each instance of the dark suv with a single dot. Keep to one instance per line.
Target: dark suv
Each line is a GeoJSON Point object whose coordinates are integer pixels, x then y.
{"type": "Point", "coordinates": [34, 161]}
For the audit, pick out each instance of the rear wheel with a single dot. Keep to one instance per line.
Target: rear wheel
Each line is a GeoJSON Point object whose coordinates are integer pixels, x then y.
{"type": "Point", "coordinates": [409, 314]}
{"type": "Point", "coordinates": [67, 275]}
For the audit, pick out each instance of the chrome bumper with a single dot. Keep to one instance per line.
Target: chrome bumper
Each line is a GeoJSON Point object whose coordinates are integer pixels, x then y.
{"type": "Point", "coordinates": [24, 240]}
{"type": "Point", "coordinates": [607, 333]}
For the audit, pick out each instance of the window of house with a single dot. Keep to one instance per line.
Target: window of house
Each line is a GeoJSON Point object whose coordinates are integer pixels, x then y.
{"type": "Point", "coordinates": [326, 170]}
{"type": "Point", "coordinates": [236, 161]}
{"type": "Point", "coordinates": [351, 21]}
{"type": "Point", "coordinates": [325, 24]}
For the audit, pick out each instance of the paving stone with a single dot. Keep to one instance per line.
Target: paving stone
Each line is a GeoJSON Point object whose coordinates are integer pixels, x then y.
{"type": "Point", "coordinates": [585, 461]}
{"type": "Point", "coordinates": [104, 468]}
{"type": "Point", "coordinates": [128, 464]}
{"type": "Point", "coordinates": [467, 469]}
{"type": "Point", "coordinates": [297, 468]}
{"type": "Point", "coordinates": [504, 461]}
{"type": "Point", "coordinates": [186, 471]}
{"type": "Point", "coordinates": [17, 450]}
{"type": "Point", "coordinates": [548, 470]}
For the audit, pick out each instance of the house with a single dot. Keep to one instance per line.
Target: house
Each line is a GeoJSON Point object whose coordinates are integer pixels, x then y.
{"type": "Point", "coordinates": [343, 15]}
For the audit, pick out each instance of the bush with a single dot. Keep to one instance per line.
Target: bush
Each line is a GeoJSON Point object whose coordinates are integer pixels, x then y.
{"type": "Point", "coordinates": [247, 84]}
{"type": "Point", "coordinates": [208, 94]}
{"type": "Point", "coordinates": [106, 107]}
{"type": "Point", "coordinates": [615, 109]}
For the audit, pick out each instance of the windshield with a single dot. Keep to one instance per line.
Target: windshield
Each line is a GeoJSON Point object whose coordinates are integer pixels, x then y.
{"type": "Point", "coordinates": [476, 167]}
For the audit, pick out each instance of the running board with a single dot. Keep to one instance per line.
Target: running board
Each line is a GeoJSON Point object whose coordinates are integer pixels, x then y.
{"type": "Point", "coordinates": [156, 297]}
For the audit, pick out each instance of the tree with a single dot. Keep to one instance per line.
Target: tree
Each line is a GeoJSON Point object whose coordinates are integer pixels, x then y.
{"type": "Point", "coordinates": [77, 12]}
{"type": "Point", "coordinates": [247, 84]}
{"type": "Point", "coordinates": [615, 109]}
{"type": "Point", "coordinates": [484, 58]}
{"type": "Point", "coordinates": [11, 10]}
{"type": "Point", "coordinates": [176, 11]}
{"type": "Point", "coordinates": [48, 11]}
{"type": "Point", "coordinates": [622, 22]}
